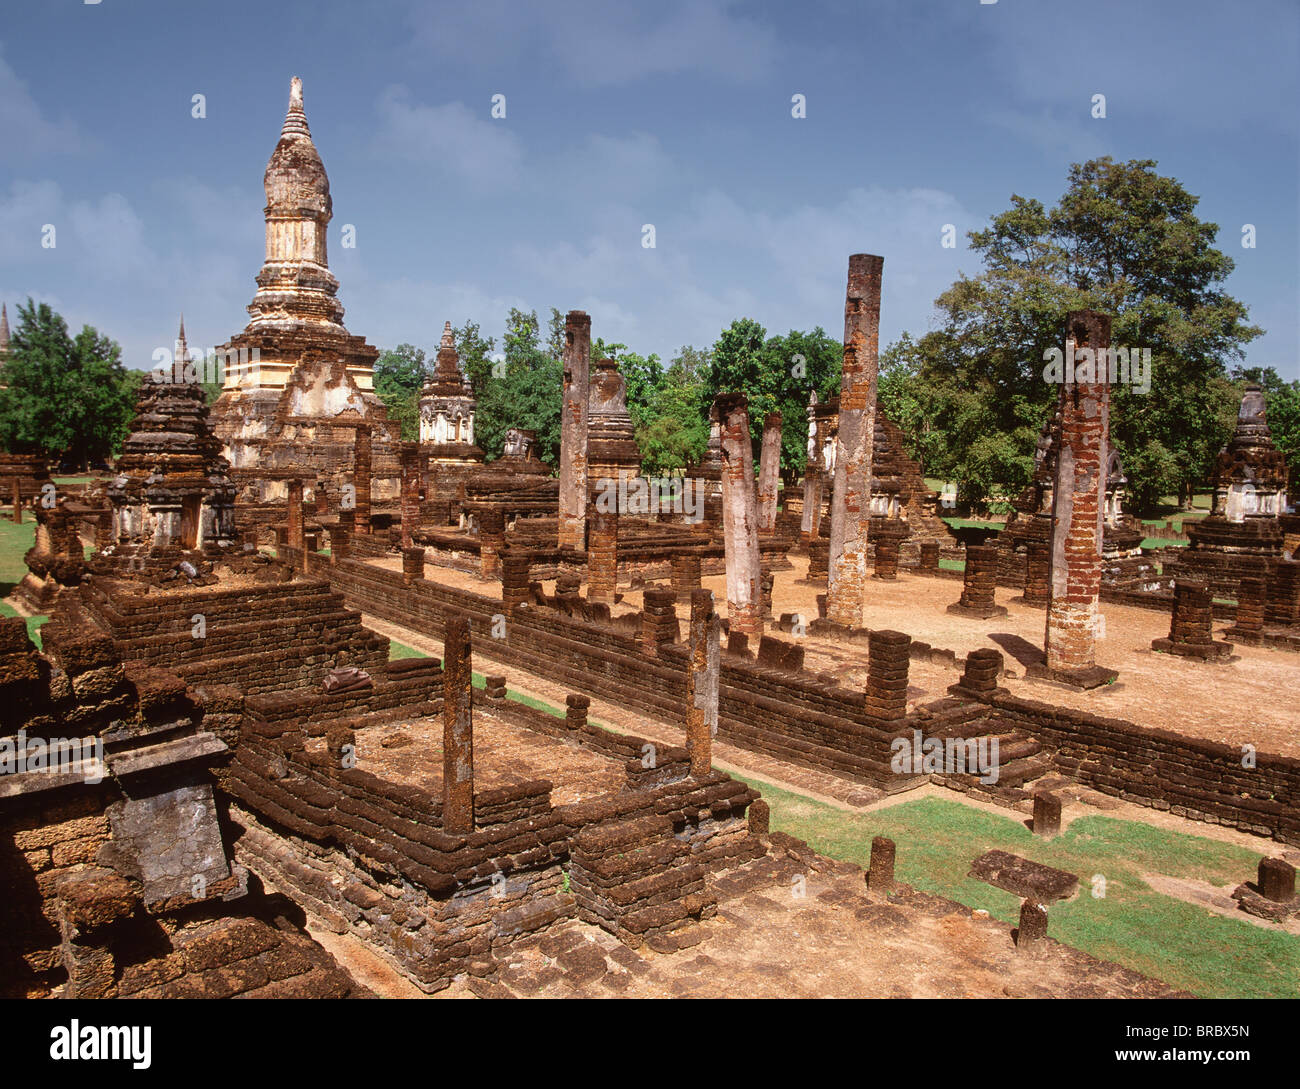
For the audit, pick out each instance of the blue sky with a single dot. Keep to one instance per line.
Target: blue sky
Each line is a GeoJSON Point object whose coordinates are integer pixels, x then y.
{"type": "Point", "coordinates": [676, 113]}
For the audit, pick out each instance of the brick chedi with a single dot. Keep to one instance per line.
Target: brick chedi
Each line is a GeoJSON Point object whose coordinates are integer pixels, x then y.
{"type": "Point", "coordinates": [612, 451]}
{"type": "Point", "coordinates": [447, 407]}
{"type": "Point", "coordinates": [1242, 535]}
{"type": "Point", "coordinates": [297, 382]}
{"type": "Point", "coordinates": [172, 491]}
{"type": "Point", "coordinates": [740, 517]}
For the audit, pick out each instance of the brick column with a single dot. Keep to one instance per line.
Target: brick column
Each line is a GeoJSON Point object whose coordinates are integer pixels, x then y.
{"type": "Point", "coordinates": [361, 477]}
{"type": "Point", "coordinates": [295, 524]}
{"type": "Point", "coordinates": [929, 556]}
{"type": "Point", "coordinates": [341, 538]}
{"type": "Point", "coordinates": [1047, 814]}
{"type": "Point", "coordinates": [602, 555]}
{"type": "Point", "coordinates": [887, 665]}
{"type": "Point", "coordinates": [880, 875]}
{"type": "Point", "coordinates": [18, 502]}
{"type": "Point", "coordinates": [814, 471]}
{"type": "Point", "coordinates": [658, 620]}
{"type": "Point", "coordinates": [409, 505]}
{"type": "Point", "coordinates": [981, 672]}
{"type": "Point", "coordinates": [686, 575]}
{"type": "Point", "coordinates": [979, 584]}
{"type": "Point", "coordinates": [819, 558]}
{"type": "Point", "coordinates": [1283, 604]}
{"type": "Point", "coordinates": [886, 557]}
{"type": "Point", "coordinates": [491, 540]}
{"type": "Point", "coordinates": [1251, 597]}
{"type": "Point", "coordinates": [740, 517]}
{"type": "Point", "coordinates": [573, 431]}
{"type": "Point", "coordinates": [457, 729]}
{"type": "Point", "coordinates": [1074, 586]}
{"type": "Point", "coordinates": [516, 569]}
{"type": "Point", "coordinates": [766, 580]}
{"type": "Point", "coordinates": [851, 495]}
{"type": "Point", "coordinates": [412, 564]}
{"type": "Point", "coordinates": [702, 671]}
{"type": "Point", "coordinates": [769, 472]}
{"type": "Point", "coordinates": [1037, 570]}
{"type": "Point", "coordinates": [1191, 628]}
{"type": "Point", "coordinates": [575, 712]}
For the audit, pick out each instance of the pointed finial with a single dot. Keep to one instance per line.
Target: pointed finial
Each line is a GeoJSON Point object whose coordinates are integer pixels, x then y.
{"type": "Point", "coordinates": [182, 353]}
{"type": "Point", "coordinates": [4, 330]}
{"type": "Point", "coordinates": [295, 121]}
{"type": "Point", "coordinates": [448, 340]}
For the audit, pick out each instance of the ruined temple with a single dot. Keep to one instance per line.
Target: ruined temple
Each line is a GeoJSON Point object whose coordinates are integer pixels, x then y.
{"type": "Point", "coordinates": [297, 383]}
{"type": "Point", "coordinates": [448, 455]}
{"type": "Point", "coordinates": [612, 451]}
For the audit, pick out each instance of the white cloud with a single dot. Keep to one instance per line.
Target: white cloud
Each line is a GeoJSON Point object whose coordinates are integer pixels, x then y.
{"type": "Point", "coordinates": [450, 138]}
{"type": "Point", "coordinates": [25, 132]}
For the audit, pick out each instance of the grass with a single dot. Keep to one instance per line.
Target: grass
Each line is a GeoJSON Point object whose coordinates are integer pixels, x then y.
{"type": "Point", "coordinates": [946, 564]}
{"type": "Point", "coordinates": [1183, 944]}
{"type": "Point", "coordinates": [967, 523]}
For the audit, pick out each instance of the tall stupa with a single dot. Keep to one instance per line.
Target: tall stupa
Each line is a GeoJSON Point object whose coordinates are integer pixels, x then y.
{"type": "Point", "coordinates": [297, 383]}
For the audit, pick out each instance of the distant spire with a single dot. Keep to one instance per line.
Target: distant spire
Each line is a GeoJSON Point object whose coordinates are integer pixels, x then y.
{"type": "Point", "coordinates": [182, 353]}
{"type": "Point", "coordinates": [295, 121]}
{"type": "Point", "coordinates": [4, 331]}
{"type": "Point", "coordinates": [448, 340]}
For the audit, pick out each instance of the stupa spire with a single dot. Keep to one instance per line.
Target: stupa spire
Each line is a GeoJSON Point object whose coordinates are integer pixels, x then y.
{"type": "Point", "coordinates": [4, 331]}
{"type": "Point", "coordinates": [295, 120]}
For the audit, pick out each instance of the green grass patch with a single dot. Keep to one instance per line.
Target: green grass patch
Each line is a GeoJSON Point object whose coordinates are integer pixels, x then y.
{"type": "Point", "coordinates": [974, 523]}
{"type": "Point", "coordinates": [15, 540]}
{"type": "Point", "coordinates": [34, 623]}
{"type": "Point", "coordinates": [946, 564]}
{"type": "Point", "coordinates": [1183, 944]}
{"type": "Point", "coordinates": [1161, 542]}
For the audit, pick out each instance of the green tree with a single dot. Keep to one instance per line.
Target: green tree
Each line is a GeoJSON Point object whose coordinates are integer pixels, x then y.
{"type": "Point", "coordinates": [66, 398]}
{"type": "Point", "coordinates": [399, 376]}
{"type": "Point", "coordinates": [526, 391]}
{"type": "Point", "coordinates": [475, 355]}
{"type": "Point", "coordinates": [1123, 240]}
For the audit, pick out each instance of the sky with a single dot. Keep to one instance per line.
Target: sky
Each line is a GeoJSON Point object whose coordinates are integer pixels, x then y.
{"type": "Point", "coordinates": [676, 114]}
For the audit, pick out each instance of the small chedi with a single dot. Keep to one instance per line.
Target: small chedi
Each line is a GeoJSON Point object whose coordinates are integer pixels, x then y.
{"type": "Point", "coordinates": [1242, 536]}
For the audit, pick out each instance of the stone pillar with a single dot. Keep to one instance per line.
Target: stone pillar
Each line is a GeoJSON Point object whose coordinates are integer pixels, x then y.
{"type": "Point", "coordinates": [813, 473]}
{"type": "Point", "coordinates": [769, 472]}
{"type": "Point", "coordinates": [1074, 585]}
{"type": "Point", "coordinates": [686, 575]}
{"type": "Point", "coordinates": [759, 817]}
{"type": "Point", "coordinates": [930, 556]}
{"type": "Point", "coordinates": [1276, 879]}
{"type": "Point", "coordinates": [457, 729]}
{"type": "Point", "coordinates": [658, 619]}
{"type": "Point", "coordinates": [294, 538]}
{"type": "Point", "coordinates": [851, 494]}
{"type": "Point", "coordinates": [1047, 814]}
{"type": "Point", "coordinates": [575, 712]}
{"type": "Point", "coordinates": [739, 517]}
{"type": "Point", "coordinates": [1191, 627]}
{"type": "Point", "coordinates": [982, 670]}
{"type": "Point", "coordinates": [18, 501]}
{"type": "Point", "coordinates": [887, 665]}
{"type": "Point", "coordinates": [979, 584]}
{"type": "Point", "coordinates": [602, 555]}
{"type": "Point", "coordinates": [1283, 604]}
{"type": "Point", "coordinates": [361, 477]}
{"type": "Point", "coordinates": [886, 556]}
{"type": "Point", "coordinates": [409, 504]}
{"type": "Point", "coordinates": [412, 564]}
{"type": "Point", "coordinates": [341, 539]}
{"type": "Point", "coordinates": [766, 580]}
{"type": "Point", "coordinates": [516, 568]}
{"type": "Point", "coordinates": [1033, 924]}
{"type": "Point", "coordinates": [1251, 597]}
{"type": "Point", "coordinates": [491, 540]}
{"type": "Point", "coordinates": [573, 431]}
{"type": "Point", "coordinates": [819, 559]}
{"type": "Point", "coordinates": [880, 877]}
{"type": "Point", "coordinates": [494, 686]}
{"type": "Point", "coordinates": [702, 671]}
{"type": "Point", "coordinates": [1037, 568]}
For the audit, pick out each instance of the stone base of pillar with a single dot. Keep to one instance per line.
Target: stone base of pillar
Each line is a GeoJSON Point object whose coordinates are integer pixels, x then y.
{"type": "Point", "coordinates": [1085, 677]}
{"type": "Point", "coordinates": [1212, 651]}
{"type": "Point", "coordinates": [987, 613]}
